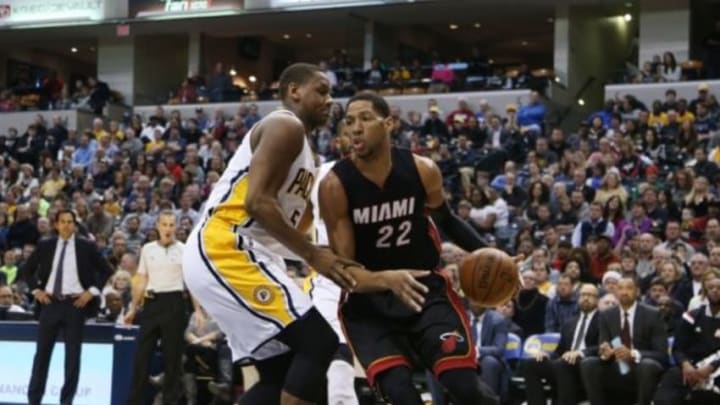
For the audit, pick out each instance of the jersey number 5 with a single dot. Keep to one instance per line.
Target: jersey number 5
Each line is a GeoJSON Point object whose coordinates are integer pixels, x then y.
{"type": "Point", "coordinates": [385, 235]}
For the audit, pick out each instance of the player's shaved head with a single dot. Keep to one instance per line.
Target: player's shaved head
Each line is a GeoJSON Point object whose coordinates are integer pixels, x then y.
{"type": "Point", "coordinates": [298, 74]}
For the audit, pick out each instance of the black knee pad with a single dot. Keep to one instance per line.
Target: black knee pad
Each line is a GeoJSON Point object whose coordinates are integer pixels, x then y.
{"type": "Point", "coordinates": [313, 343]}
{"type": "Point", "coordinates": [465, 388]}
{"type": "Point", "coordinates": [396, 386]}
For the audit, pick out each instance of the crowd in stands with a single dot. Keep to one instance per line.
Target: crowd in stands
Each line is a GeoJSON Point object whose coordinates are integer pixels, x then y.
{"type": "Point", "coordinates": [347, 78]}
{"type": "Point", "coordinates": [52, 93]}
{"type": "Point", "coordinates": [633, 191]}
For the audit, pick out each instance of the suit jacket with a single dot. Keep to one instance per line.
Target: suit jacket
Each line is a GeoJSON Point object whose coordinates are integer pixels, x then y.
{"type": "Point", "coordinates": [683, 292]}
{"type": "Point", "coordinates": [567, 336]}
{"type": "Point", "coordinates": [494, 335]}
{"type": "Point", "coordinates": [649, 335]}
{"type": "Point", "coordinates": [93, 270]}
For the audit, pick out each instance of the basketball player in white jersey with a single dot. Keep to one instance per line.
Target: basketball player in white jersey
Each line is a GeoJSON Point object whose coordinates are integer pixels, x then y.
{"type": "Point", "coordinates": [234, 258]}
{"type": "Point", "coordinates": [326, 295]}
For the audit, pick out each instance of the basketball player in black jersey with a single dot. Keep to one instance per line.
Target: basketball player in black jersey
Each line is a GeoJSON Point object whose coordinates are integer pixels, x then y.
{"type": "Point", "coordinates": [375, 206]}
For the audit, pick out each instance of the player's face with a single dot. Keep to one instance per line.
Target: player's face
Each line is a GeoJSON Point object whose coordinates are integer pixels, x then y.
{"type": "Point", "coordinates": [315, 100]}
{"type": "Point", "coordinates": [366, 127]}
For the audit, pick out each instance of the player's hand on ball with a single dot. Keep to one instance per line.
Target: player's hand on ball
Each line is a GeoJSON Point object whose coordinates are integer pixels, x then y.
{"type": "Point", "coordinates": [334, 267]}
{"type": "Point", "coordinates": [404, 284]}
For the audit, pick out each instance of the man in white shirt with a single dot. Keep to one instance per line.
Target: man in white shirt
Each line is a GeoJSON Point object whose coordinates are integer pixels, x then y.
{"type": "Point", "coordinates": [164, 314]}
{"type": "Point", "coordinates": [65, 276]}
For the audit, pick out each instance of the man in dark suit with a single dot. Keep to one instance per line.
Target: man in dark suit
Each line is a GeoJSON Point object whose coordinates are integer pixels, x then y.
{"type": "Point", "coordinates": [633, 349]}
{"type": "Point", "coordinates": [66, 275]}
{"type": "Point", "coordinates": [578, 340]}
{"type": "Point", "coordinates": [490, 331]}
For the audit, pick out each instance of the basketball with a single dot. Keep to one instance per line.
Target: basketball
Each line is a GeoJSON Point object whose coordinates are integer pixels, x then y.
{"type": "Point", "coordinates": [489, 277]}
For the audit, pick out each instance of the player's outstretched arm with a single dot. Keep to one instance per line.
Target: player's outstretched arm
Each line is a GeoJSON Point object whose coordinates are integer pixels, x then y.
{"type": "Point", "coordinates": [458, 230]}
{"type": "Point", "coordinates": [276, 144]}
{"type": "Point", "coordinates": [334, 212]}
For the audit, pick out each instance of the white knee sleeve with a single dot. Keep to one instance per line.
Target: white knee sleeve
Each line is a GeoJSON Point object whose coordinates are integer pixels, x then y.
{"type": "Point", "coordinates": [341, 384]}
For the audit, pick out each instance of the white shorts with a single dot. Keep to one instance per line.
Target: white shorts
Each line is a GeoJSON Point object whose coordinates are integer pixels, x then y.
{"type": "Point", "coordinates": [244, 287]}
{"type": "Point", "coordinates": [325, 295]}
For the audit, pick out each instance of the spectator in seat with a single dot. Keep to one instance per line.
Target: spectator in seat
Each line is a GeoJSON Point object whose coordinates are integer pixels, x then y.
{"type": "Point", "coordinates": [634, 334]}
{"type": "Point", "coordinates": [100, 222]}
{"type": "Point", "coordinates": [9, 267]}
{"type": "Point", "coordinates": [530, 306]}
{"type": "Point", "coordinates": [692, 287]}
{"type": "Point", "coordinates": [7, 300]}
{"type": "Point", "coordinates": [695, 340]}
{"type": "Point", "coordinates": [99, 95]}
{"type": "Point", "coordinates": [705, 168]}
{"type": "Point", "coordinates": [673, 238]}
{"type": "Point", "coordinates": [23, 230]}
{"type": "Point", "coordinates": [186, 94]}
{"type": "Point", "coordinates": [201, 337]}
{"type": "Point", "coordinates": [114, 311]}
{"type": "Point", "coordinates": [508, 311]}
{"type": "Point", "coordinates": [219, 84]}
{"type": "Point", "coordinates": [563, 306]}
{"type": "Point", "coordinates": [671, 71]}
{"type": "Point", "coordinates": [434, 126]}
{"type": "Point", "coordinates": [561, 369]}
{"type": "Point", "coordinates": [637, 224]}
{"type": "Point", "coordinates": [531, 116]}
{"type": "Point", "coordinates": [596, 225]}
{"type": "Point", "coordinates": [463, 113]}
{"type": "Point", "coordinates": [489, 330]}
{"type": "Point", "coordinates": [703, 90]}
{"type": "Point", "coordinates": [375, 76]}
{"type": "Point", "coordinates": [602, 257]}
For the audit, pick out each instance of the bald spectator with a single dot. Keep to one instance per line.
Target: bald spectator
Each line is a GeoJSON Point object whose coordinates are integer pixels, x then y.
{"type": "Point", "coordinates": [7, 300]}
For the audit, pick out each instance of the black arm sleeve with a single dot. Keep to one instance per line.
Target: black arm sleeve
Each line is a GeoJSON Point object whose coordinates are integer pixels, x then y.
{"type": "Point", "coordinates": [458, 230]}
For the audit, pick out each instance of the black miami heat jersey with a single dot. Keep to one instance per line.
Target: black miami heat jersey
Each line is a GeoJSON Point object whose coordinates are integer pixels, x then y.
{"type": "Point", "coordinates": [391, 228]}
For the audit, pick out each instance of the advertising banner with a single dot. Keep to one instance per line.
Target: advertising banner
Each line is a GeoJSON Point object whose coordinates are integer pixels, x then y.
{"type": "Point", "coordinates": [20, 12]}
{"type": "Point", "coordinates": [144, 8]}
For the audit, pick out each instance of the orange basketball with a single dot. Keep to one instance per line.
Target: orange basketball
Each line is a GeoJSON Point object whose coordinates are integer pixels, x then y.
{"type": "Point", "coordinates": [489, 277]}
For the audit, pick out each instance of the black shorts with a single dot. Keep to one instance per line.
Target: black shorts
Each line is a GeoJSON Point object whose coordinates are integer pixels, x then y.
{"type": "Point", "coordinates": [438, 337]}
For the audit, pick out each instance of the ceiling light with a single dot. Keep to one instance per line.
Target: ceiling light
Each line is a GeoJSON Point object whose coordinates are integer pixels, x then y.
{"type": "Point", "coordinates": [628, 17]}
{"type": "Point", "coordinates": [233, 72]}
{"type": "Point", "coordinates": [524, 43]}
{"type": "Point", "coordinates": [286, 36]}
{"type": "Point", "coordinates": [92, 49]}
{"type": "Point", "coordinates": [550, 20]}
{"type": "Point", "coordinates": [581, 101]}
{"type": "Point", "coordinates": [491, 61]}
{"type": "Point", "coordinates": [477, 25]}
{"type": "Point", "coordinates": [557, 79]}
{"type": "Point", "coordinates": [308, 35]}
{"type": "Point", "coordinates": [252, 79]}
{"type": "Point", "coordinates": [73, 50]}
{"type": "Point", "coordinates": [453, 26]}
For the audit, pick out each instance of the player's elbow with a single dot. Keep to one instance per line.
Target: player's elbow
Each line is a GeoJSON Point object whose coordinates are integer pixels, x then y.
{"type": "Point", "coordinates": [255, 204]}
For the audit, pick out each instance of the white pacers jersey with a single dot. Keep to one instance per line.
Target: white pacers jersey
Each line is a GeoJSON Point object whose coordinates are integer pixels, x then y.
{"type": "Point", "coordinates": [227, 199]}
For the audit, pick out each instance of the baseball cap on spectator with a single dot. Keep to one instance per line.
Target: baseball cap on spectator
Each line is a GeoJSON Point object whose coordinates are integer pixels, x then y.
{"type": "Point", "coordinates": [703, 87]}
{"type": "Point", "coordinates": [511, 107]}
{"type": "Point", "coordinates": [652, 169]}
